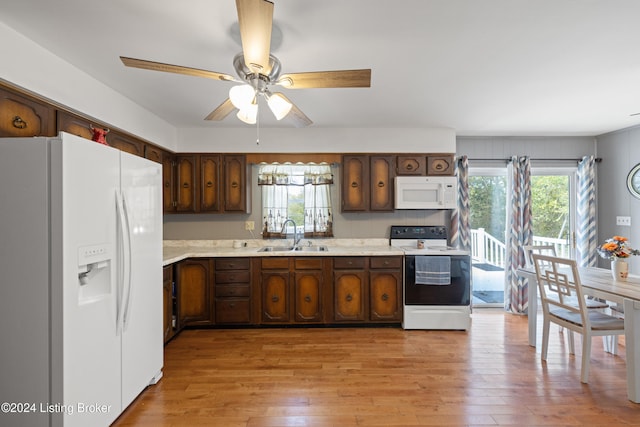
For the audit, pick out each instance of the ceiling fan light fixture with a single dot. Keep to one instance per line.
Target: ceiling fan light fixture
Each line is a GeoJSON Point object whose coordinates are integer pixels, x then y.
{"type": "Point", "coordinates": [242, 96]}
{"type": "Point", "coordinates": [279, 106]}
{"type": "Point", "coordinates": [249, 113]}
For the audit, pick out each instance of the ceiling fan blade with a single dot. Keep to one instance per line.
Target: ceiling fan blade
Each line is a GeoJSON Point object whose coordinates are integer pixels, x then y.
{"type": "Point", "coordinates": [296, 115]}
{"type": "Point", "coordinates": [222, 111]}
{"type": "Point", "coordinates": [177, 69]}
{"type": "Point", "coordinates": [256, 20]}
{"type": "Point", "coordinates": [326, 79]}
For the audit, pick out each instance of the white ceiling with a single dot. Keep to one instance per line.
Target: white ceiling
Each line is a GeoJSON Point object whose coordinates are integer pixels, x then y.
{"type": "Point", "coordinates": [482, 67]}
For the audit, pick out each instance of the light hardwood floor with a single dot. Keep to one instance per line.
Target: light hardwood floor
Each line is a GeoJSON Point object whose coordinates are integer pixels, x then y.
{"type": "Point", "coordinates": [382, 377]}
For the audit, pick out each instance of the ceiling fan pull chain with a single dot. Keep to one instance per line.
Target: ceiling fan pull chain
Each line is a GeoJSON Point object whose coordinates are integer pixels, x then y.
{"type": "Point", "coordinates": [258, 126]}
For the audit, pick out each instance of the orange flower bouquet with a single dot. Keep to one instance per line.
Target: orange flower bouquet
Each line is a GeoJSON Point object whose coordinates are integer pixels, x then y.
{"type": "Point", "coordinates": [617, 247]}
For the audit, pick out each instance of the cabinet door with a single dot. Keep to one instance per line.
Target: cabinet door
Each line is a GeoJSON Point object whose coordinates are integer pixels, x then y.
{"type": "Point", "coordinates": [152, 153]}
{"type": "Point", "coordinates": [186, 183]}
{"type": "Point", "coordinates": [209, 183]}
{"type": "Point", "coordinates": [349, 296]}
{"type": "Point", "coordinates": [275, 300]}
{"type": "Point", "coordinates": [76, 125]}
{"type": "Point", "coordinates": [169, 184]}
{"type": "Point", "coordinates": [412, 165]}
{"type": "Point", "coordinates": [125, 143]}
{"type": "Point", "coordinates": [23, 116]}
{"type": "Point", "coordinates": [235, 184]}
{"type": "Point", "coordinates": [355, 183]}
{"type": "Point", "coordinates": [194, 293]}
{"type": "Point", "coordinates": [308, 296]}
{"type": "Point", "coordinates": [167, 300]}
{"type": "Point", "coordinates": [381, 183]}
{"type": "Point", "coordinates": [440, 165]}
{"type": "Point", "coordinates": [385, 296]}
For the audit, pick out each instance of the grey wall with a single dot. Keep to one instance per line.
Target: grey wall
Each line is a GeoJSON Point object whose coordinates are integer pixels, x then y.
{"type": "Point", "coordinates": [503, 147]}
{"type": "Point", "coordinates": [620, 151]}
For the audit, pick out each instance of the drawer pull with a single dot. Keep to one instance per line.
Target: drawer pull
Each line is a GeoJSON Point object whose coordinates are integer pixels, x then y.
{"type": "Point", "coordinates": [349, 297]}
{"type": "Point", "coordinates": [185, 185]}
{"type": "Point", "coordinates": [209, 184]}
{"type": "Point", "coordinates": [275, 298]}
{"type": "Point", "coordinates": [409, 167]}
{"type": "Point", "coordinates": [234, 185]}
{"type": "Point", "coordinates": [19, 123]}
{"type": "Point", "coordinates": [354, 184]}
{"type": "Point", "coordinates": [380, 184]}
{"type": "Point", "coordinates": [232, 305]}
{"type": "Point", "coordinates": [307, 298]}
{"type": "Point", "coordinates": [385, 297]}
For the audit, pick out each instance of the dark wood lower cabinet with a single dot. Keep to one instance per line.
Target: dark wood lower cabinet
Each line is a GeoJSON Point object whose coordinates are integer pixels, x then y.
{"type": "Point", "coordinates": [282, 291]}
{"type": "Point", "coordinates": [195, 302]}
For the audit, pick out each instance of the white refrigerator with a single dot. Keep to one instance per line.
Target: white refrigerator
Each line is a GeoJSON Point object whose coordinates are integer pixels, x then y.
{"type": "Point", "coordinates": [81, 281]}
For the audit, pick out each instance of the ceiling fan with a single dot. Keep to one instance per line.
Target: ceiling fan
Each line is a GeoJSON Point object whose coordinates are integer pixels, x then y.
{"type": "Point", "coordinates": [258, 71]}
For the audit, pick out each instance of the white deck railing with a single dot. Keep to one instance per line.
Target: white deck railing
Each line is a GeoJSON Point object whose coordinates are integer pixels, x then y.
{"type": "Point", "coordinates": [487, 249]}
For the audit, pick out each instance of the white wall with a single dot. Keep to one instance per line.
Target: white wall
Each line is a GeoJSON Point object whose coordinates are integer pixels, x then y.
{"type": "Point", "coordinates": [39, 71]}
{"type": "Point", "coordinates": [318, 140]}
{"type": "Point", "coordinates": [620, 151]}
{"type": "Point", "coordinates": [547, 147]}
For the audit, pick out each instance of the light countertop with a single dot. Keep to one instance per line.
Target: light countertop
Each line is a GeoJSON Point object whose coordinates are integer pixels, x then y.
{"type": "Point", "coordinates": [177, 250]}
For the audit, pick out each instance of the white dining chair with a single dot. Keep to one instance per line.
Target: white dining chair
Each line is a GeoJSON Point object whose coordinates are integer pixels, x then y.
{"type": "Point", "coordinates": [563, 303]}
{"type": "Point", "coordinates": [529, 250]}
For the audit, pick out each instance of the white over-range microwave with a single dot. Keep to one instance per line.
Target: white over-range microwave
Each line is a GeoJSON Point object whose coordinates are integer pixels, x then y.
{"type": "Point", "coordinates": [426, 192]}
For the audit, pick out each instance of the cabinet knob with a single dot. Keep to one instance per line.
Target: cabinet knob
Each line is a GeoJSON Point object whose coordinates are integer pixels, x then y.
{"type": "Point", "coordinates": [232, 278]}
{"type": "Point", "coordinates": [167, 184]}
{"type": "Point", "coordinates": [409, 166]}
{"type": "Point", "coordinates": [354, 184]}
{"type": "Point", "coordinates": [234, 185]}
{"type": "Point", "coordinates": [19, 123]}
{"type": "Point", "coordinates": [209, 184]}
{"type": "Point", "coordinates": [185, 185]}
{"type": "Point", "coordinates": [232, 305]}
{"type": "Point", "coordinates": [385, 297]}
{"type": "Point", "coordinates": [275, 298]}
{"type": "Point", "coordinates": [349, 297]}
{"type": "Point", "coordinates": [307, 298]}
{"type": "Point", "coordinates": [380, 184]}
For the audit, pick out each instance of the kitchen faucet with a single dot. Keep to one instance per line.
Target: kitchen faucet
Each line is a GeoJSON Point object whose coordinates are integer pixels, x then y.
{"type": "Point", "coordinates": [296, 240]}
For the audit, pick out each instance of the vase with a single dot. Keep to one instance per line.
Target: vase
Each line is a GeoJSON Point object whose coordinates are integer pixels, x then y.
{"type": "Point", "coordinates": [619, 270]}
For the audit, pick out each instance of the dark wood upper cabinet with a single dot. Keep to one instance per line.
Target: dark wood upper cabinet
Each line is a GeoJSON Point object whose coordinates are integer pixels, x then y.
{"type": "Point", "coordinates": [355, 183]}
{"type": "Point", "coordinates": [440, 165]}
{"type": "Point", "coordinates": [209, 183]}
{"type": "Point", "coordinates": [186, 183]}
{"type": "Point", "coordinates": [381, 183]}
{"type": "Point", "coordinates": [125, 143]}
{"type": "Point", "coordinates": [23, 116]}
{"type": "Point", "coordinates": [236, 185]}
{"type": "Point", "coordinates": [414, 164]}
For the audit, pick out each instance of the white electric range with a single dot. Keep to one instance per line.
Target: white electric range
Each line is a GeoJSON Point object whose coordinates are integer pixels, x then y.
{"type": "Point", "coordinates": [436, 279]}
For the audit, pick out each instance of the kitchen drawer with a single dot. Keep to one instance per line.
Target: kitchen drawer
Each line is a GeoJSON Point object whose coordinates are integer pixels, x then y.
{"type": "Point", "coordinates": [386, 262]}
{"type": "Point", "coordinates": [314, 263]}
{"type": "Point", "coordinates": [275, 263]}
{"type": "Point", "coordinates": [236, 276]}
{"type": "Point", "coordinates": [347, 263]}
{"type": "Point", "coordinates": [233, 310]}
{"type": "Point", "coordinates": [232, 291]}
{"type": "Point", "coordinates": [232, 263]}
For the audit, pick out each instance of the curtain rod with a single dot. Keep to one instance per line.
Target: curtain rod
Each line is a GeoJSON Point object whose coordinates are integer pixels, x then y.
{"type": "Point", "coordinates": [597, 159]}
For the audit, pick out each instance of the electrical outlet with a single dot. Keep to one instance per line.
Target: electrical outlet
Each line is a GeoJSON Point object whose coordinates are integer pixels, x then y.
{"type": "Point", "coordinates": [623, 220]}
{"type": "Point", "coordinates": [249, 225]}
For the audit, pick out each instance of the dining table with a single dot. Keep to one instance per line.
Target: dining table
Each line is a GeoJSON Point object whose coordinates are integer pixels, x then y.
{"type": "Point", "coordinates": [600, 283]}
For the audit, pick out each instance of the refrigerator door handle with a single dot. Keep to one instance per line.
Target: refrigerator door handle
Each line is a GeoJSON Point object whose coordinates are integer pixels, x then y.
{"type": "Point", "coordinates": [127, 263]}
{"type": "Point", "coordinates": [125, 266]}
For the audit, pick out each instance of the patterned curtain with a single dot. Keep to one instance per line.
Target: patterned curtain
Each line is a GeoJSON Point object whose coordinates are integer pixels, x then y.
{"type": "Point", "coordinates": [310, 185]}
{"type": "Point", "coordinates": [519, 233]}
{"type": "Point", "coordinates": [586, 231]}
{"type": "Point", "coordinates": [460, 231]}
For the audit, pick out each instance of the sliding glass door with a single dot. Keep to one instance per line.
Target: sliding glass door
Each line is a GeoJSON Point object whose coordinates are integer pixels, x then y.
{"type": "Point", "coordinates": [553, 219]}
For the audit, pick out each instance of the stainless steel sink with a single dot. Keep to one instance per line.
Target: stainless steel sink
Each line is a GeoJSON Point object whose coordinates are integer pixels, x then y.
{"type": "Point", "coordinates": [276, 249]}
{"type": "Point", "coordinates": [311, 249]}
{"type": "Point", "coordinates": [293, 249]}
